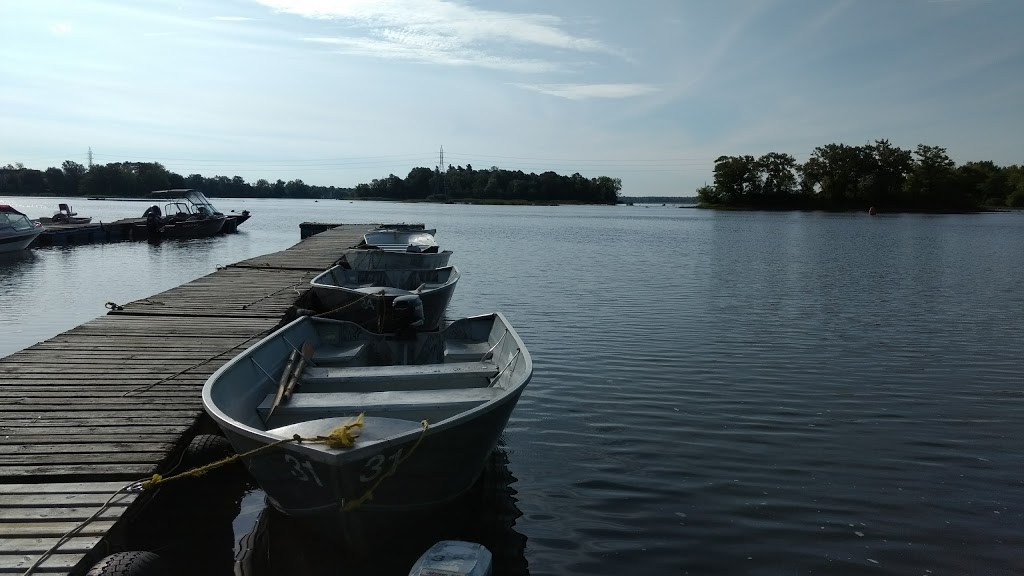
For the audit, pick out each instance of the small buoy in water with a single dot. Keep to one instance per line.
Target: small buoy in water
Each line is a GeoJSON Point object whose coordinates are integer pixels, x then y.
{"type": "Point", "coordinates": [453, 558]}
{"type": "Point", "coordinates": [872, 211]}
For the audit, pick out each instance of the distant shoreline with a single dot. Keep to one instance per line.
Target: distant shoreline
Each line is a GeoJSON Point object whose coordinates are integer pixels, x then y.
{"type": "Point", "coordinates": [880, 210]}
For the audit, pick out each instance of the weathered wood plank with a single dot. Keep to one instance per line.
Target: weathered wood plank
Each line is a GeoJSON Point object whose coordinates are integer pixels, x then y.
{"type": "Point", "coordinates": [63, 488]}
{"type": "Point", "coordinates": [58, 442]}
{"type": "Point", "coordinates": [38, 545]}
{"type": "Point", "coordinates": [83, 420]}
{"type": "Point", "coordinates": [56, 500]}
{"type": "Point", "coordinates": [132, 471]}
{"type": "Point", "coordinates": [74, 514]}
{"type": "Point", "coordinates": [18, 563]}
{"type": "Point", "coordinates": [94, 448]}
{"type": "Point", "coordinates": [76, 458]}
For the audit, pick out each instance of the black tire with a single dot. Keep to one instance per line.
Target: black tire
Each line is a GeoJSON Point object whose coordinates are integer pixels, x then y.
{"type": "Point", "coordinates": [130, 564]}
{"type": "Point", "coordinates": [207, 448]}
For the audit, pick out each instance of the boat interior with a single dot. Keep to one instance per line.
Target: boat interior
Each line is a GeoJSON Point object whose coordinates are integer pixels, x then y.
{"type": "Point", "coordinates": [396, 383]}
{"type": "Point", "coordinates": [415, 281]}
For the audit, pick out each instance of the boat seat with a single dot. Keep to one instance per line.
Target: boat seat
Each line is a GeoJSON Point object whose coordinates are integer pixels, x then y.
{"type": "Point", "coordinates": [428, 286]}
{"type": "Point", "coordinates": [465, 351]}
{"type": "Point", "coordinates": [431, 405]}
{"type": "Point", "coordinates": [328, 355]}
{"type": "Point", "coordinates": [374, 430]}
{"type": "Point", "coordinates": [398, 377]}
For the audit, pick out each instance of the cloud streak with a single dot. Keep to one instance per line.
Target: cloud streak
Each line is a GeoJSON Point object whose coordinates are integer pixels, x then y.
{"type": "Point", "coordinates": [231, 18]}
{"type": "Point", "coordinates": [588, 91]}
{"type": "Point", "coordinates": [60, 29]}
{"type": "Point", "coordinates": [443, 32]}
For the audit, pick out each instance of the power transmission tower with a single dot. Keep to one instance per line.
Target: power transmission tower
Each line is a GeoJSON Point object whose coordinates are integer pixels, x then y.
{"type": "Point", "coordinates": [442, 188]}
{"type": "Point", "coordinates": [90, 157]}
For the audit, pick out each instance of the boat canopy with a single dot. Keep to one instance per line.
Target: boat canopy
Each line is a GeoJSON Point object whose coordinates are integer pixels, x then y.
{"type": "Point", "coordinates": [11, 217]}
{"type": "Point", "coordinates": [186, 200]}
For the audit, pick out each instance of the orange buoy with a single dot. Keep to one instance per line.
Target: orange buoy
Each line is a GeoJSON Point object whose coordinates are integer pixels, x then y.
{"type": "Point", "coordinates": [871, 211]}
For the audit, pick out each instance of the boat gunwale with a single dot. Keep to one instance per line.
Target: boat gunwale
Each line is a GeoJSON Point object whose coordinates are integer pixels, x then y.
{"type": "Point", "coordinates": [453, 277]}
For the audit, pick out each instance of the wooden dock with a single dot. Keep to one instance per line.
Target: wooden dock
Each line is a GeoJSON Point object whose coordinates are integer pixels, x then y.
{"type": "Point", "coordinates": [117, 399]}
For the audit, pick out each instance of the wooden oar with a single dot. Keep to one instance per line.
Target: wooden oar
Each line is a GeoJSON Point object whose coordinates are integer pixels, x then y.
{"type": "Point", "coordinates": [285, 376]}
{"type": "Point", "coordinates": [307, 353]}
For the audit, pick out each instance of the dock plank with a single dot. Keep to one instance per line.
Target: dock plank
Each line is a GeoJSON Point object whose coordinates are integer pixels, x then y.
{"type": "Point", "coordinates": [110, 401]}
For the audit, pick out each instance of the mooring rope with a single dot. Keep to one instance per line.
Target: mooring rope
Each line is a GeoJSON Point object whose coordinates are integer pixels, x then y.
{"type": "Point", "coordinates": [149, 387]}
{"type": "Point", "coordinates": [342, 436]}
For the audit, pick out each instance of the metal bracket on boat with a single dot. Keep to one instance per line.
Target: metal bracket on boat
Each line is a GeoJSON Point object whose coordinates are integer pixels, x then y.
{"type": "Point", "coordinates": [257, 364]}
{"type": "Point", "coordinates": [491, 350]}
{"type": "Point", "coordinates": [510, 362]}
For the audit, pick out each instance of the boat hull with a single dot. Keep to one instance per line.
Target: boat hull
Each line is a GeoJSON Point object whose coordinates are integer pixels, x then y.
{"type": "Point", "coordinates": [18, 241]}
{"type": "Point", "coordinates": [194, 228]}
{"type": "Point", "coordinates": [464, 381]}
{"type": "Point", "coordinates": [384, 260]}
{"type": "Point", "coordinates": [365, 305]}
{"type": "Point", "coordinates": [404, 240]}
{"type": "Point", "coordinates": [441, 468]}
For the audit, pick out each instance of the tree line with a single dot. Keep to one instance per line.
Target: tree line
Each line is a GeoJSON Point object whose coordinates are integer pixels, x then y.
{"type": "Point", "coordinates": [137, 179]}
{"type": "Point", "coordinates": [493, 184]}
{"type": "Point", "coordinates": [843, 177]}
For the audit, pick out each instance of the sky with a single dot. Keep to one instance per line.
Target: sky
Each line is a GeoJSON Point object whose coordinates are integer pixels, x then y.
{"type": "Point", "coordinates": [338, 92]}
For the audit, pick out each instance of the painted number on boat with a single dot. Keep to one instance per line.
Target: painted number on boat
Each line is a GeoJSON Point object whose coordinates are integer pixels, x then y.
{"type": "Point", "coordinates": [300, 468]}
{"type": "Point", "coordinates": [375, 466]}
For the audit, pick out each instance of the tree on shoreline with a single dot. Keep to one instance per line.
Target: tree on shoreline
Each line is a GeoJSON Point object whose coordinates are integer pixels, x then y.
{"type": "Point", "coordinates": [458, 183]}
{"type": "Point", "coordinates": [137, 179]}
{"type": "Point", "coordinates": [840, 177]}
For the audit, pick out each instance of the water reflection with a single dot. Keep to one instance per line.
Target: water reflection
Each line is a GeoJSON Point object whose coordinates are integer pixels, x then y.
{"type": "Point", "coordinates": [273, 543]}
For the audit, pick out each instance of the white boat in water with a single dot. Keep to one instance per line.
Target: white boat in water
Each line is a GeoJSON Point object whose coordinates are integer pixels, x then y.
{"type": "Point", "coordinates": [65, 214]}
{"type": "Point", "coordinates": [401, 240]}
{"type": "Point", "coordinates": [430, 408]}
{"type": "Point", "coordinates": [366, 296]}
{"type": "Point", "coordinates": [16, 231]}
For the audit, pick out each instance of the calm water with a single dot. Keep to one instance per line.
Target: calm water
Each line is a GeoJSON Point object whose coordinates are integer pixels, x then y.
{"type": "Point", "coordinates": [715, 393]}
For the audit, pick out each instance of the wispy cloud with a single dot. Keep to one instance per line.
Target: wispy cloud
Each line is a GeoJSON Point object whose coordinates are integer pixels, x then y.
{"type": "Point", "coordinates": [442, 31]}
{"type": "Point", "coordinates": [586, 91]}
{"type": "Point", "coordinates": [433, 50]}
{"type": "Point", "coordinates": [60, 29]}
{"type": "Point", "coordinates": [231, 18]}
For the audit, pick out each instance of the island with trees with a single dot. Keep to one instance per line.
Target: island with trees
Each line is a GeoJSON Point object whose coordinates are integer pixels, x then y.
{"type": "Point", "coordinates": [880, 175]}
{"type": "Point", "coordinates": [457, 184]}
{"type": "Point", "coordinates": [492, 186]}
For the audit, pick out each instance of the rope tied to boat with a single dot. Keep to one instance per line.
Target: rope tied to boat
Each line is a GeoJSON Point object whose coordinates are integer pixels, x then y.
{"type": "Point", "coordinates": [352, 303]}
{"type": "Point", "coordinates": [368, 495]}
{"type": "Point", "coordinates": [343, 436]}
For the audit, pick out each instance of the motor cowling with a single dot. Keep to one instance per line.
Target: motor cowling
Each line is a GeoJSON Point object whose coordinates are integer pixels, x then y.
{"type": "Point", "coordinates": [408, 315]}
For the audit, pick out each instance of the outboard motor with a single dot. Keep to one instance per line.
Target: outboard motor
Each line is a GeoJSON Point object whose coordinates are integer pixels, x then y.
{"type": "Point", "coordinates": [408, 316]}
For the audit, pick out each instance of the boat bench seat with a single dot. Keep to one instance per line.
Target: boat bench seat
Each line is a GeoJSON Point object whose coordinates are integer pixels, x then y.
{"type": "Point", "coordinates": [465, 351]}
{"type": "Point", "coordinates": [432, 405]}
{"type": "Point", "coordinates": [398, 377]}
{"type": "Point", "coordinates": [327, 355]}
{"type": "Point", "coordinates": [428, 286]}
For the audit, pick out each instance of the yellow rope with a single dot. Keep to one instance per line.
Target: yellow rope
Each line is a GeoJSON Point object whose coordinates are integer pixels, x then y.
{"type": "Point", "coordinates": [368, 495]}
{"type": "Point", "coordinates": [343, 436]}
{"type": "Point", "coordinates": [340, 437]}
